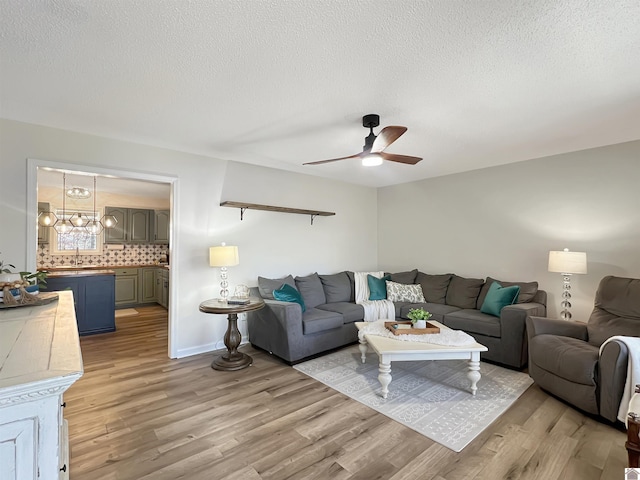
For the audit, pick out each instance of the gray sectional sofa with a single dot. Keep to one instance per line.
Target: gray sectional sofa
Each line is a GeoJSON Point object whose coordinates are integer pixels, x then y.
{"type": "Point", "coordinates": [283, 329]}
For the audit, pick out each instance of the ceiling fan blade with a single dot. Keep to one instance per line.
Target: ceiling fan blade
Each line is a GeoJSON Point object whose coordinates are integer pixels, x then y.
{"type": "Point", "coordinates": [332, 160]}
{"type": "Point", "coordinates": [386, 137]}
{"type": "Point", "coordinates": [392, 157]}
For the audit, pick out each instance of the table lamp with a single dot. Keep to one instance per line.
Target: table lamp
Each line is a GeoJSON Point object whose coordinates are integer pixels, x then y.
{"type": "Point", "coordinates": [567, 263]}
{"type": "Point", "coordinates": [223, 256]}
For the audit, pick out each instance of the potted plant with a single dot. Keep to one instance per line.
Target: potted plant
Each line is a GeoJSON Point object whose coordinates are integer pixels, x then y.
{"type": "Point", "coordinates": [19, 286]}
{"type": "Point", "coordinates": [419, 317]}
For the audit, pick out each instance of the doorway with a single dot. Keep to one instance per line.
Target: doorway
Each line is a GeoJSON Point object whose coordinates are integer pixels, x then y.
{"type": "Point", "coordinates": [145, 178]}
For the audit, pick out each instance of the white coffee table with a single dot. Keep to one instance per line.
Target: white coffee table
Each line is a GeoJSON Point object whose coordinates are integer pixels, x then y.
{"type": "Point", "coordinates": [392, 350]}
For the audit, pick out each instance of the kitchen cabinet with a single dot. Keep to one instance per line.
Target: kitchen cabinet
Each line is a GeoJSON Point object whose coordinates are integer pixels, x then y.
{"type": "Point", "coordinates": [162, 287]}
{"type": "Point", "coordinates": [43, 232]}
{"type": "Point", "coordinates": [42, 358]}
{"type": "Point", "coordinates": [147, 285]}
{"type": "Point", "coordinates": [134, 225]}
{"type": "Point", "coordinates": [161, 226]}
{"type": "Point", "coordinates": [126, 286]}
{"type": "Point", "coordinates": [93, 297]}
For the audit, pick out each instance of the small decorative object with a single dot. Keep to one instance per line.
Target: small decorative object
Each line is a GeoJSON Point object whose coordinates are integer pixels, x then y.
{"type": "Point", "coordinates": [241, 291]}
{"type": "Point", "coordinates": [419, 317]}
{"type": "Point", "coordinates": [19, 288]}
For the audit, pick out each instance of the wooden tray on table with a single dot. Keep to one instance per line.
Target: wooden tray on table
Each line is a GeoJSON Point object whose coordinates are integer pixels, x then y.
{"type": "Point", "coordinates": [431, 328]}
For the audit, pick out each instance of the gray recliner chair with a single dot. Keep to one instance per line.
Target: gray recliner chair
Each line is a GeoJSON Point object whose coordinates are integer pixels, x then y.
{"type": "Point", "coordinates": [564, 357]}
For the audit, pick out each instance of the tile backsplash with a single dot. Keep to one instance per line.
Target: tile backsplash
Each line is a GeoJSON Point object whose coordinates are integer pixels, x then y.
{"type": "Point", "coordinates": [133, 254]}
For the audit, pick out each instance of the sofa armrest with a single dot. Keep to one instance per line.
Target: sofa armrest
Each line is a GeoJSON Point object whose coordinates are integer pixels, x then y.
{"type": "Point", "coordinates": [612, 377]}
{"type": "Point", "coordinates": [563, 328]}
{"type": "Point", "coordinates": [513, 329]}
{"type": "Point", "coordinates": [283, 315]}
{"type": "Point", "coordinates": [276, 328]}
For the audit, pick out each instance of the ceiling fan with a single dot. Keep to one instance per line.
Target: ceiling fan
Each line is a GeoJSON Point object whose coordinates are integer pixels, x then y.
{"type": "Point", "coordinates": [373, 150]}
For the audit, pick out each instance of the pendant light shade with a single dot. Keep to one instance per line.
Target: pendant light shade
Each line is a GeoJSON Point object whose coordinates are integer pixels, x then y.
{"type": "Point", "coordinates": [63, 225]}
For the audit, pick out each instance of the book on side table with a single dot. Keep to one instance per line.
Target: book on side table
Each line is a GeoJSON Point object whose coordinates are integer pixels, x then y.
{"type": "Point", "coordinates": [238, 301]}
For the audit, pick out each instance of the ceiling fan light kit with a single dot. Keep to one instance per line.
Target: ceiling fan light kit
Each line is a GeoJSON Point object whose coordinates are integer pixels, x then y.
{"type": "Point", "coordinates": [373, 150]}
{"type": "Point", "coordinates": [372, 160]}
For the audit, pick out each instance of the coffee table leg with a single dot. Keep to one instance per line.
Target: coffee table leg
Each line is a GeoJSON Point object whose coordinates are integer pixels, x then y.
{"type": "Point", "coordinates": [474, 371]}
{"type": "Point", "coordinates": [384, 376]}
{"type": "Point", "coordinates": [363, 349]}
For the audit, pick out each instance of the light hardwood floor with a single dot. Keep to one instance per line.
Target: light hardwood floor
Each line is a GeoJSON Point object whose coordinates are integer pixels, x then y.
{"type": "Point", "coordinates": [135, 414]}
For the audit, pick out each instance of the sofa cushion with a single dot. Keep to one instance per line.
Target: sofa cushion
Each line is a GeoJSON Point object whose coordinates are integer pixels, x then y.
{"type": "Point", "coordinates": [287, 293]}
{"type": "Point", "coordinates": [310, 287]}
{"type": "Point", "coordinates": [351, 312]}
{"type": "Point", "coordinates": [567, 357]}
{"type": "Point", "coordinates": [337, 288]}
{"type": "Point", "coordinates": [266, 286]}
{"type": "Point", "coordinates": [616, 310]}
{"type": "Point", "coordinates": [473, 321]}
{"type": "Point", "coordinates": [436, 309]}
{"type": "Point", "coordinates": [528, 290]}
{"type": "Point", "coordinates": [352, 281]}
{"type": "Point", "coordinates": [407, 278]}
{"type": "Point", "coordinates": [377, 287]}
{"type": "Point", "coordinates": [434, 287]}
{"type": "Point", "coordinates": [399, 292]}
{"type": "Point", "coordinates": [315, 320]}
{"type": "Point", "coordinates": [499, 297]}
{"type": "Point", "coordinates": [463, 292]}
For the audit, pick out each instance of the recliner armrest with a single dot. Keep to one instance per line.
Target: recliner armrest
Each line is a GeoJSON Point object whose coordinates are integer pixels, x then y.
{"type": "Point", "coordinates": [612, 377]}
{"type": "Point", "coordinates": [563, 328]}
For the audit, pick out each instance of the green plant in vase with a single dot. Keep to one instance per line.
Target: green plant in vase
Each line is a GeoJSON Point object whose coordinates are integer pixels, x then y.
{"type": "Point", "coordinates": [419, 317]}
{"type": "Point", "coordinates": [20, 288]}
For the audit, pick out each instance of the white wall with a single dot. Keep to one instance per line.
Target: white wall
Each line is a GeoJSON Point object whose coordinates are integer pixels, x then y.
{"type": "Point", "coordinates": [502, 221]}
{"type": "Point", "coordinates": [269, 243]}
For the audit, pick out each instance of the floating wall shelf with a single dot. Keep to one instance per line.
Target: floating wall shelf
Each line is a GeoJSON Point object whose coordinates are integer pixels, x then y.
{"type": "Point", "coordinates": [271, 208]}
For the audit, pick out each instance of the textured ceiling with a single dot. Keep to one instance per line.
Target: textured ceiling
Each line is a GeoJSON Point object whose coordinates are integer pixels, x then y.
{"type": "Point", "coordinates": [283, 82]}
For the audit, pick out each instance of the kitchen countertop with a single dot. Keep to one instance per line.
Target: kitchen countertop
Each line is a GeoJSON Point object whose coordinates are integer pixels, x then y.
{"type": "Point", "coordinates": [96, 268]}
{"type": "Point", "coordinates": [87, 272]}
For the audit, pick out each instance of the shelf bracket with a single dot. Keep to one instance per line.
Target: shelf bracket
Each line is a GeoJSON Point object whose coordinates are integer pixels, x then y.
{"type": "Point", "coordinates": [242, 209]}
{"type": "Point", "coordinates": [313, 215]}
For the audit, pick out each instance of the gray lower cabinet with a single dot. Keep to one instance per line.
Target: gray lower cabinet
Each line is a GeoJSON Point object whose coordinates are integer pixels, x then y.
{"type": "Point", "coordinates": [134, 225]}
{"type": "Point", "coordinates": [126, 286]}
{"type": "Point", "coordinates": [147, 285]}
{"type": "Point", "coordinates": [94, 300]}
{"type": "Point", "coordinates": [162, 287]}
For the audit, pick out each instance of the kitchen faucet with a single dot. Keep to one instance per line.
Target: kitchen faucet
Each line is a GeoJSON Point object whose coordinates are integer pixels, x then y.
{"type": "Point", "coordinates": [78, 261]}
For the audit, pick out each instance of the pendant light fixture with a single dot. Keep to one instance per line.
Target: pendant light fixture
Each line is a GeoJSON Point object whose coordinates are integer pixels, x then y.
{"type": "Point", "coordinates": [63, 225]}
{"type": "Point", "coordinates": [94, 227]}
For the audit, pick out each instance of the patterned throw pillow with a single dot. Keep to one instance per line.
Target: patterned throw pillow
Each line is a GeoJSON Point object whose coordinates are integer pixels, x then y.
{"type": "Point", "coordinates": [399, 292]}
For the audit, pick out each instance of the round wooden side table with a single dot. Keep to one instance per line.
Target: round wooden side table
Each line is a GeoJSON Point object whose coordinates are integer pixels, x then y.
{"type": "Point", "coordinates": [233, 359]}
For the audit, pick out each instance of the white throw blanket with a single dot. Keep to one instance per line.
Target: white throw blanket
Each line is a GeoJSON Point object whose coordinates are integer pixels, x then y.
{"type": "Point", "coordinates": [633, 372]}
{"type": "Point", "coordinates": [450, 338]}
{"type": "Point", "coordinates": [373, 309]}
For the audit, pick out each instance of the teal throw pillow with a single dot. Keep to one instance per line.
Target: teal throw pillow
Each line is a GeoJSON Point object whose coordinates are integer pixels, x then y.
{"type": "Point", "coordinates": [378, 287]}
{"type": "Point", "coordinates": [499, 297]}
{"type": "Point", "coordinates": [287, 293]}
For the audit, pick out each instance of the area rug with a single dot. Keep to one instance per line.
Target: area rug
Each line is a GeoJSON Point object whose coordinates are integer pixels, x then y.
{"type": "Point", "coordinates": [431, 397]}
{"type": "Point", "coordinates": [126, 312]}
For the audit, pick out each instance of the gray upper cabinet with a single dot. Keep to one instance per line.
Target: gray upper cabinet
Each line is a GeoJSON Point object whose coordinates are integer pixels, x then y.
{"type": "Point", "coordinates": [161, 226]}
{"type": "Point", "coordinates": [139, 225]}
{"type": "Point", "coordinates": [117, 234]}
{"type": "Point", "coordinates": [134, 225]}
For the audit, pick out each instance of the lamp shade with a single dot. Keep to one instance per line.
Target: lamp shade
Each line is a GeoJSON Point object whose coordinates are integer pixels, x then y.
{"type": "Point", "coordinates": [567, 262]}
{"type": "Point", "coordinates": [223, 256]}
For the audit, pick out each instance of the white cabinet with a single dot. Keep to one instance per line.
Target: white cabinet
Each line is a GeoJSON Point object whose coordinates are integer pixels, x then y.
{"type": "Point", "coordinates": [39, 359]}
